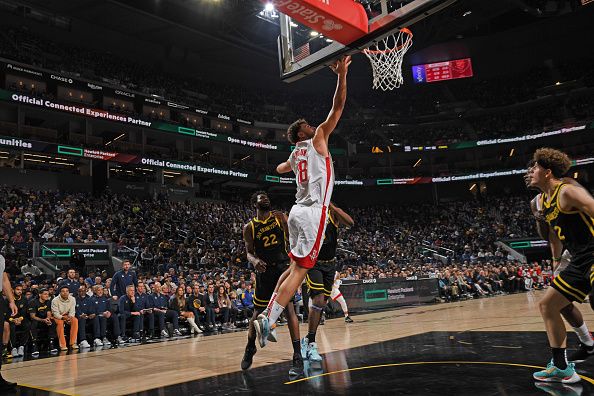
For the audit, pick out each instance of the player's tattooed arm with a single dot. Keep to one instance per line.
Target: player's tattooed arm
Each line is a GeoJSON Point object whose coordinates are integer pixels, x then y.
{"type": "Point", "coordinates": [248, 239]}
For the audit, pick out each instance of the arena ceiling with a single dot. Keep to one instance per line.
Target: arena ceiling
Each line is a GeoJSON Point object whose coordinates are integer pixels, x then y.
{"type": "Point", "coordinates": [230, 31]}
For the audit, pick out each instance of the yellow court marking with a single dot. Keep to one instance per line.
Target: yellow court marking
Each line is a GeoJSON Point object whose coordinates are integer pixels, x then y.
{"type": "Point", "coordinates": [46, 389]}
{"type": "Point", "coordinates": [588, 379]}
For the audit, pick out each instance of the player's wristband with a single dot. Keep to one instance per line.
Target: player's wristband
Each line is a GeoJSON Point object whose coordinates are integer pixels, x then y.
{"type": "Point", "coordinates": [557, 258]}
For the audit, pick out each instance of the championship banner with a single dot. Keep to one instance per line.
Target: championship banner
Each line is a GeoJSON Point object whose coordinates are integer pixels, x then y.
{"type": "Point", "coordinates": [370, 294]}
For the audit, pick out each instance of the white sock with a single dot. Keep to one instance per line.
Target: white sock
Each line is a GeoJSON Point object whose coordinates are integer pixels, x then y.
{"type": "Point", "coordinates": [275, 312]}
{"type": "Point", "coordinates": [271, 301]}
{"type": "Point", "coordinates": [584, 335]}
{"type": "Point", "coordinates": [343, 305]}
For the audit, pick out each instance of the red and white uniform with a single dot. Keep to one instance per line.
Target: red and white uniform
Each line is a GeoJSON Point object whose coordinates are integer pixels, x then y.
{"type": "Point", "coordinates": [335, 291]}
{"type": "Point", "coordinates": [307, 220]}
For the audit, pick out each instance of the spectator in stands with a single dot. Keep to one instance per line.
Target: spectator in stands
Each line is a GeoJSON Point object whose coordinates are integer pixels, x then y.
{"type": "Point", "coordinates": [30, 269]}
{"type": "Point", "coordinates": [8, 250]}
{"type": "Point", "coordinates": [122, 279]}
{"type": "Point", "coordinates": [236, 305]}
{"type": "Point", "coordinates": [19, 323]}
{"type": "Point", "coordinates": [180, 304]}
{"type": "Point", "coordinates": [225, 308]}
{"type": "Point", "coordinates": [147, 258]}
{"type": "Point", "coordinates": [129, 311]}
{"type": "Point", "coordinates": [212, 307]}
{"type": "Point", "coordinates": [196, 300]}
{"type": "Point", "coordinates": [85, 313]}
{"type": "Point", "coordinates": [64, 314]}
{"type": "Point", "coordinates": [247, 297]}
{"type": "Point", "coordinates": [163, 313]}
{"type": "Point", "coordinates": [71, 282]}
{"type": "Point", "coordinates": [41, 322]}
{"type": "Point", "coordinates": [105, 315]}
{"type": "Point", "coordinates": [145, 304]}
{"type": "Point", "coordinates": [78, 261]}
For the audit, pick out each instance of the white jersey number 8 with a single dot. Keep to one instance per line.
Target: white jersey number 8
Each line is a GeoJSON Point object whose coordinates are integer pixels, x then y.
{"type": "Point", "coordinates": [302, 168]}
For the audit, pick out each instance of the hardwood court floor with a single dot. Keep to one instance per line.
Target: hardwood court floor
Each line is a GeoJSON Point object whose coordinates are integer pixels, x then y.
{"type": "Point", "coordinates": [146, 367]}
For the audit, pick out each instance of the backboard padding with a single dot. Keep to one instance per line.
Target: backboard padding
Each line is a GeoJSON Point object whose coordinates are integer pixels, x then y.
{"type": "Point", "coordinates": [293, 35]}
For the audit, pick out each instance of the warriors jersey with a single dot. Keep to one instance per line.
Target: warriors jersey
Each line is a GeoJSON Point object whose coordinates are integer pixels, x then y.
{"type": "Point", "coordinates": [269, 240]}
{"type": "Point", "coordinates": [574, 228]}
{"type": "Point", "coordinates": [314, 175]}
{"type": "Point", "coordinates": [328, 250]}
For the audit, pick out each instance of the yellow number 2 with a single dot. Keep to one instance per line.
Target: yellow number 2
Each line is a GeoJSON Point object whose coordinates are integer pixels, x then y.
{"type": "Point", "coordinates": [558, 231]}
{"type": "Point", "coordinates": [269, 241]}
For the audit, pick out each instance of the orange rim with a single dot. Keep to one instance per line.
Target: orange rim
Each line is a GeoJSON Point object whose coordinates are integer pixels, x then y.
{"type": "Point", "coordinates": [403, 30]}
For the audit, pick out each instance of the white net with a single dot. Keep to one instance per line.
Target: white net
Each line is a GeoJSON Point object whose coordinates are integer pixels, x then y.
{"type": "Point", "coordinates": [386, 58]}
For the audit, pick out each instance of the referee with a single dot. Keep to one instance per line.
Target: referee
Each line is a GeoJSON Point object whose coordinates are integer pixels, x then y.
{"type": "Point", "coordinates": [7, 289]}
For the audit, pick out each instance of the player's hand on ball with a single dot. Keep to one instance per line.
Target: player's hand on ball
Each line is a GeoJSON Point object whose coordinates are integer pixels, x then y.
{"type": "Point", "coordinates": [341, 66]}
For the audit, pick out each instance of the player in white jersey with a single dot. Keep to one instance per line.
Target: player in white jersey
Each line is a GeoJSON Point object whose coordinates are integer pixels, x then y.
{"type": "Point", "coordinates": [314, 174]}
{"type": "Point", "coordinates": [337, 296]}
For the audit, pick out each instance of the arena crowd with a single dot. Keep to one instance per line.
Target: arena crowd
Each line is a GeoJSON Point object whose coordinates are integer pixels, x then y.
{"type": "Point", "coordinates": [188, 272]}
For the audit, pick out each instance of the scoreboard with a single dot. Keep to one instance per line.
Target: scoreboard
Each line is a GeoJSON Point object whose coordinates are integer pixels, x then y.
{"type": "Point", "coordinates": [441, 71]}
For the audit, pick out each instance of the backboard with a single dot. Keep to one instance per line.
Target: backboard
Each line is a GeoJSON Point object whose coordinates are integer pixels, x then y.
{"type": "Point", "coordinates": [304, 51]}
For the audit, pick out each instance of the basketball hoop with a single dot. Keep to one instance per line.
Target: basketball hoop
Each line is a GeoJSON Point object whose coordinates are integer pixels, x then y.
{"type": "Point", "coordinates": [386, 58]}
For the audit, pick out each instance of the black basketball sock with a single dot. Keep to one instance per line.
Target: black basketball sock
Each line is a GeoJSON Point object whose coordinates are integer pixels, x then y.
{"type": "Point", "coordinates": [559, 359]}
{"type": "Point", "coordinates": [251, 343]}
{"type": "Point", "coordinates": [311, 337]}
{"type": "Point", "coordinates": [296, 346]}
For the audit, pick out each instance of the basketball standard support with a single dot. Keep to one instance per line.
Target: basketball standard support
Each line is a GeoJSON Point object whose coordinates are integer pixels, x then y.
{"type": "Point", "coordinates": [293, 69]}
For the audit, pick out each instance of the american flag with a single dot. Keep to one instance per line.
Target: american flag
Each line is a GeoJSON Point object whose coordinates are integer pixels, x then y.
{"type": "Point", "coordinates": [301, 53]}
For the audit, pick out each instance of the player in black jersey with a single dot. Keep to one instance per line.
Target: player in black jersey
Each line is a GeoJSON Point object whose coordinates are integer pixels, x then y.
{"type": "Point", "coordinates": [570, 313]}
{"type": "Point", "coordinates": [569, 212]}
{"type": "Point", "coordinates": [320, 279]}
{"type": "Point", "coordinates": [265, 238]}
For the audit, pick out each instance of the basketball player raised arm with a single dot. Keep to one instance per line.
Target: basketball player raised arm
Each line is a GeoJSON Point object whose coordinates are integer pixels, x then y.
{"type": "Point", "coordinates": [343, 218]}
{"type": "Point", "coordinates": [323, 131]}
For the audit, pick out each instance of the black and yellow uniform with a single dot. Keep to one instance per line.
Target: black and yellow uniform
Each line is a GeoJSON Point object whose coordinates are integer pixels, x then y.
{"type": "Point", "coordinates": [269, 246]}
{"type": "Point", "coordinates": [320, 278]}
{"type": "Point", "coordinates": [575, 229]}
